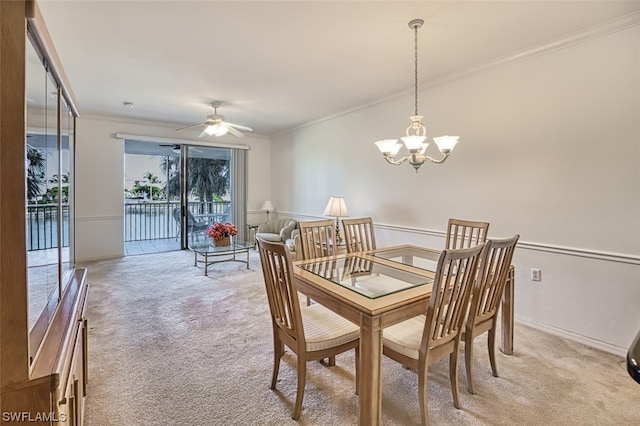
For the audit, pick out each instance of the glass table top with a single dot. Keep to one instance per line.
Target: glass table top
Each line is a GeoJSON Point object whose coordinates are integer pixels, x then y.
{"type": "Point", "coordinates": [206, 246]}
{"type": "Point", "coordinates": [365, 276]}
{"type": "Point", "coordinates": [413, 256]}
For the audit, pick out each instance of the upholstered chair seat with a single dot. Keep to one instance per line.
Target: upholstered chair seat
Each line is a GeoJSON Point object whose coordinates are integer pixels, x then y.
{"type": "Point", "coordinates": [277, 230]}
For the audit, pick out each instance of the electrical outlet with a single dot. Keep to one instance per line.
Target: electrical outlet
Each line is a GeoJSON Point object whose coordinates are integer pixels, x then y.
{"type": "Point", "coordinates": [536, 274]}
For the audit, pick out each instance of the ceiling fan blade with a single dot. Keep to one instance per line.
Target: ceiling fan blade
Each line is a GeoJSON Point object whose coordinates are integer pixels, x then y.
{"type": "Point", "coordinates": [191, 127]}
{"type": "Point", "coordinates": [233, 131]}
{"type": "Point", "coordinates": [240, 126]}
{"type": "Point", "coordinates": [203, 134]}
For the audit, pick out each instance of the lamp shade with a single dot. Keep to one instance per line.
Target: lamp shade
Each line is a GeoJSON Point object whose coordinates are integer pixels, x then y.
{"type": "Point", "coordinates": [413, 142]}
{"type": "Point", "coordinates": [336, 207]}
{"type": "Point", "coordinates": [389, 146]}
{"type": "Point", "coordinates": [267, 205]}
{"type": "Point", "coordinates": [446, 143]}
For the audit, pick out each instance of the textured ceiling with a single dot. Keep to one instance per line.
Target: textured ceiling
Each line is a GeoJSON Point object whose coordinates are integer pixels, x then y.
{"type": "Point", "coordinates": [276, 65]}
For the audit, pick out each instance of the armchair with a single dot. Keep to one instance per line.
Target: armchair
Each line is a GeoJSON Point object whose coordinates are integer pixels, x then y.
{"type": "Point", "coordinates": [278, 230]}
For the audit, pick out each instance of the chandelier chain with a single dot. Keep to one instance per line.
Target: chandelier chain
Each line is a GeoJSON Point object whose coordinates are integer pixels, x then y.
{"type": "Point", "coordinates": [415, 30]}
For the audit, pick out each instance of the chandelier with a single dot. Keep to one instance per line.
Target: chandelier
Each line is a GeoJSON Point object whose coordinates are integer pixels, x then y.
{"type": "Point", "coordinates": [414, 141]}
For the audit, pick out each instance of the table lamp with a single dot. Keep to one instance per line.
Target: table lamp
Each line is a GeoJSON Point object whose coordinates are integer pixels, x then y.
{"type": "Point", "coordinates": [267, 206]}
{"type": "Point", "coordinates": [337, 208]}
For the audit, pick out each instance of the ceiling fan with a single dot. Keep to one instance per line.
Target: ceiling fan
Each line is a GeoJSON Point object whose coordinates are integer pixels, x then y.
{"type": "Point", "coordinates": [176, 147]}
{"type": "Point", "coordinates": [216, 125]}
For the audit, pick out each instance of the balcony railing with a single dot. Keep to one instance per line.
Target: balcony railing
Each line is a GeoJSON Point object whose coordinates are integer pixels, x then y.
{"type": "Point", "coordinates": [142, 221]}
{"type": "Point", "coordinates": [155, 220]}
{"type": "Point", "coordinates": [42, 226]}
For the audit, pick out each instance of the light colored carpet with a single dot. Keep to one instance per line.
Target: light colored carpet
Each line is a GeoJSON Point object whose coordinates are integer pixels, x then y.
{"type": "Point", "coordinates": [169, 346]}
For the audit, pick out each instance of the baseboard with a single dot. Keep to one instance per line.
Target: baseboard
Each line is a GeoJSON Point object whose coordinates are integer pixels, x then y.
{"type": "Point", "coordinates": [597, 344]}
{"type": "Point", "coordinates": [80, 262]}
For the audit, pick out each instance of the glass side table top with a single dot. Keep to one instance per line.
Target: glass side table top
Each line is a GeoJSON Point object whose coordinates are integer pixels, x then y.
{"type": "Point", "coordinates": [206, 246]}
{"type": "Point", "coordinates": [364, 276]}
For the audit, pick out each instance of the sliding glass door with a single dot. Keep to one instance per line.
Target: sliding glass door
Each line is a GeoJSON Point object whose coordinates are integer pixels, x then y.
{"type": "Point", "coordinates": [173, 192]}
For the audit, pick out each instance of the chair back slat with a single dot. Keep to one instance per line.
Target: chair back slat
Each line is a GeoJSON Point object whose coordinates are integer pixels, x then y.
{"type": "Point", "coordinates": [465, 233]}
{"type": "Point", "coordinates": [449, 301]}
{"type": "Point", "coordinates": [326, 269]}
{"type": "Point", "coordinates": [492, 278]}
{"type": "Point", "coordinates": [359, 234]}
{"type": "Point", "coordinates": [281, 288]}
{"type": "Point", "coordinates": [317, 238]}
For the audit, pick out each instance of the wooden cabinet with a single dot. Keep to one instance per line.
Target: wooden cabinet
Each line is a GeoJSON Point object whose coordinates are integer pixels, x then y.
{"type": "Point", "coordinates": [56, 389]}
{"type": "Point", "coordinates": [43, 329]}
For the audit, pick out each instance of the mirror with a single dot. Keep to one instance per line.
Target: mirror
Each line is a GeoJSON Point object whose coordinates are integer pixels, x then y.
{"type": "Point", "coordinates": [38, 219]}
{"type": "Point", "coordinates": [49, 143]}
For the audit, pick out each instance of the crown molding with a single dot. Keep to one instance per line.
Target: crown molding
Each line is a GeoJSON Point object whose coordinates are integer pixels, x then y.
{"type": "Point", "coordinates": [151, 123]}
{"type": "Point", "coordinates": [600, 30]}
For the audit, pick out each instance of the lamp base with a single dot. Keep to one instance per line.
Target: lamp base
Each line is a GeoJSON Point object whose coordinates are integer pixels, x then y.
{"type": "Point", "coordinates": [338, 236]}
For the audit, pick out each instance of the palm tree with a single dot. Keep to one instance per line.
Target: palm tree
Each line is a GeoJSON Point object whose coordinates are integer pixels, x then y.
{"type": "Point", "coordinates": [151, 178]}
{"type": "Point", "coordinates": [36, 171]}
{"type": "Point", "coordinates": [152, 185]}
{"type": "Point", "coordinates": [171, 167]}
{"type": "Point", "coordinates": [208, 178]}
{"type": "Point", "coordinates": [64, 187]}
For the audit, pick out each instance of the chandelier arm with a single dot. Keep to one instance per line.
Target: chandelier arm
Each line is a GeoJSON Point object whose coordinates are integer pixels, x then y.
{"type": "Point", "coordinates": [392, 160]}
{"type": "Point", "coordinates": [433, 160]}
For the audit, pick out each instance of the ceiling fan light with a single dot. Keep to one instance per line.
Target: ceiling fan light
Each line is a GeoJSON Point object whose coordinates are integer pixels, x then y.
{"type": "Point", "coordinates": [221, 131]}
{"type": "Point", "coordinates": [216, 130]}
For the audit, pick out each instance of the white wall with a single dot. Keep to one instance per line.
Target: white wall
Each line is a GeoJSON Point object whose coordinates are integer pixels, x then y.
{"type": "Point", "coordinates": [549, 148]}
{"type": "Point", "coordinates": [100, 179]}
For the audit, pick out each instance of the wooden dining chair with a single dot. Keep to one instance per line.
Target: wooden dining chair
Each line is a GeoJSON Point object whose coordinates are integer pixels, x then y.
{"type": "Point", "coordinates": [485, 300]}
{"type": "Point", "coordinates": [421, 341]}
{"type": "Point", "coordinates": [317, 238]}
{"type": "Point", "coordinates": [359, 234]}
{"type": "Point", "coordinates": [311, 332]}
{"type": "Point", "coordinates": [465, 233]}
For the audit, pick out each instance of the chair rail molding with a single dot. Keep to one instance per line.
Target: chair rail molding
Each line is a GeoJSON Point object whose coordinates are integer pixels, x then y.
{"type": "Point", "coordinates": [549, 248]}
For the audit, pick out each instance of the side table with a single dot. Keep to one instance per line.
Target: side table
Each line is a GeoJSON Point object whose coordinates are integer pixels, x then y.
{"type": "Point", "coordinates": [205, 252]}
{"type": "Point", "coordinates": [251, 234]}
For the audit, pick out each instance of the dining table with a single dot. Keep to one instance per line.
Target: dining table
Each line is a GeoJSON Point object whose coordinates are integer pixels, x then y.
{"type": "Point", "coordinates": [375, 289]}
